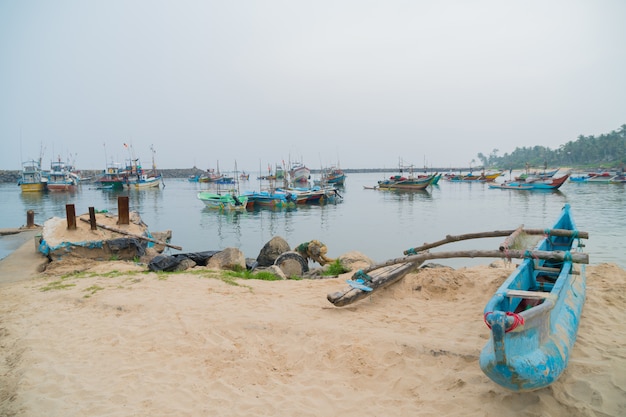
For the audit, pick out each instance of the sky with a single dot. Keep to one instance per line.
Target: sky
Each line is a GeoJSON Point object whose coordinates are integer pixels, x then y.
{"type": "Point", "coordinates": [252, 83]}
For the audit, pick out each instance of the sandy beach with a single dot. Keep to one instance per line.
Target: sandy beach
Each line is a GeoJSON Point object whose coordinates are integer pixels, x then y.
{"type": "Point", "coordinates": [116, 340]}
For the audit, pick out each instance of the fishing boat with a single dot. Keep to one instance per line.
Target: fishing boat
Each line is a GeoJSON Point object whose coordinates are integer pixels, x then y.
{"type": "Point", "coordinates": [604, 177]}
{"type": "Point", "coordinates": [536, 174]}
{"type": "Point", "coordinates": [274, 199]}
{"type": "Point", "coordinates": [60, 178]}
{"type": "Point", "coordinates": [532, 184]}
{"type": "Point", "coordinates": [228, 202]}
{"type": "Point", "coordinates": [211, 175]}
{"type": "Point", "coordinates": [313, 195]}
{"type": "Point", "coordinates": [146, 179]}
{"type": "Point", "coordinates": [112, 178]}
{"type": "Point", "coordinates": [31, 179]}
{"type": "Point", "coordinates": [410, 183]}
{"type": "Point", "coordinates": [533, 316]}
{"type": "Point", "coordinates": [333, 175]}
{"type": "Point", "coordinates": [299, 173]}
{"type": "Point", "coordinates": [471, 177]}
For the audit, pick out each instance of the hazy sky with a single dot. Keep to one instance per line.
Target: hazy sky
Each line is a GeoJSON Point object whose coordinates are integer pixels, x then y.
{"type": "Point", "coordinates": [357, 82]}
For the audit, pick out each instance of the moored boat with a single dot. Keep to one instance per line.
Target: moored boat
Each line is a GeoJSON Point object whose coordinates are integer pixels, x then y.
{"type": "Point", "coordinates": [410, 183]}
{"type": "Point", "coordinates": [60, 178]}
{"type": "Point", "coordinates": [471, 177]}
{"type": "Point", "coordinates": [31, 179]}
{"type": "Point", "coordinates": [112, 178]}
{"type": "Point", "coordinates": [333, 175]}
{"type": "Point", "coordinates": [299, 173]}
{"type": "Point", "coordinates": [228, 201]}
{"type": "Point", "coordinates": [533, 316]}
{"type": "Point", "coordinates": [274, 199]}
{"type": "Point", "coordinates": [536, 184]}
{"type": "Point", "coordinates": [604, 177]}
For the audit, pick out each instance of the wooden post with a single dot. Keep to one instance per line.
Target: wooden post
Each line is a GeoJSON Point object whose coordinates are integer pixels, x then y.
{"type": "Point", "coordinates": [70, 214]}
{"type": "Point", "coordinates": [122, 210]}
{"type": "Point", "coordinates": [92, 218]}
{"type": "Point", "coordinates": [30, 219]}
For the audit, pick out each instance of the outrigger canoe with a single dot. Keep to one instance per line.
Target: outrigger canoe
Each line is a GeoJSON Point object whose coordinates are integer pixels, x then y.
{"type": "Point", "coordinates": [533, 316]}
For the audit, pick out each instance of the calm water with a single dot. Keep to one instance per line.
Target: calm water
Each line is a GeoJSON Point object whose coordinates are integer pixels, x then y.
{"type": "Point", "coordinates": [379, 224]}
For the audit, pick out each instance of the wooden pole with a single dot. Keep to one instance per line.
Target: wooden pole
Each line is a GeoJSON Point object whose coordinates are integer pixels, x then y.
{"type": "Point", "coordinates": [30, 219]}
{"type": "Point", "coordinates": [122, 232]}
{"type": "Point", "coordinates": [92, 218]}
{"type": "Point", "coordinates": [557, 256]}
{"type": "Point", "coordinates": [497, 233]}
{"type": "Point", "coordinates": [122, 210]}
{"type": "Point", "coordinates": [70, 215]}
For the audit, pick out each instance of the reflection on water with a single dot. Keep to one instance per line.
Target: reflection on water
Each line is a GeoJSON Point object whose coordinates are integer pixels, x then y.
{"type": "Point", "coordinates": [380, 224]}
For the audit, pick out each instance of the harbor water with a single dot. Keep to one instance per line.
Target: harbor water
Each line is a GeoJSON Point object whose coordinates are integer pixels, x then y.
{"type": "Point", "coordinates": [379, 224]}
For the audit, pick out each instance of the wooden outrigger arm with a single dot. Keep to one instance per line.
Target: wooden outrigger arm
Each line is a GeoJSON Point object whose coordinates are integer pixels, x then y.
{"type": "Point", "coordinates": [410, 263]}
{"type": "Point", "coordinates": [388, 272]}
{"type": "Point", "coordinates": [512, 234]}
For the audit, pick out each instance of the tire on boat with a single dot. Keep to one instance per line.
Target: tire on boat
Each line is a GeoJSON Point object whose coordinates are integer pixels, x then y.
{"type": "Point", "coordinates": [292, 264]}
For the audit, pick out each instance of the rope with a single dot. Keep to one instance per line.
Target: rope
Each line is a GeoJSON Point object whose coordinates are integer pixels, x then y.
{"type": "Point", "coordinates": [410, 251]}
{"type": "Point", "coordinates": [567, 257]}
{"type": "Point", "coordinates": [517, 320]}
{"type": "Point", "coordinates": [362, 275]}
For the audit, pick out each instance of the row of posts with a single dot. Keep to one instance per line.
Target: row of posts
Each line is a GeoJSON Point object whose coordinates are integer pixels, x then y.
{"type": "Point", "coordinates": [70, 214]}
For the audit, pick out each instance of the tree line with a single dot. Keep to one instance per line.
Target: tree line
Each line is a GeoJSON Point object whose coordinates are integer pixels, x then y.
{"type": "Point", "coordinates": [606, 151]}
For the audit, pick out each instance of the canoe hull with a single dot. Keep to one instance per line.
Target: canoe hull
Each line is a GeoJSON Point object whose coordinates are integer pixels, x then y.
{"type": "Point", "coordinates": [534, 318]}
{"type": "Point", "coordinates": [525, 369]}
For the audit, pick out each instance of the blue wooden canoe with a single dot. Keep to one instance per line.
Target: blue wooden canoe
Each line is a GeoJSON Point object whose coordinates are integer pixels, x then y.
{"type": "Point", "coordinates": [534, 316]}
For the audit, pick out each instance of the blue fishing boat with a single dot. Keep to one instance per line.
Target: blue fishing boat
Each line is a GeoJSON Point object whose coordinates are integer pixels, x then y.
{"type": "Point", "coordinates": [274, 199]}
{"type": "Point", "coordinates": [534, 314]}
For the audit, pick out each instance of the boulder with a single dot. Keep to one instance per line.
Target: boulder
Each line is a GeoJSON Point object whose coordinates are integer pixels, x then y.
{"type": "Point", "coordinates": [271, 251]}
{"type": "Point", "coordinates": [229, 258]}
{"type": "Point", "coordinates": [353, 261]}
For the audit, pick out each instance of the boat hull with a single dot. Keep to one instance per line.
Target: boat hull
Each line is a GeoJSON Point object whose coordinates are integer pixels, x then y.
{"type": "Point", "coordinates": [407, 184]}
{"type": "Point", "coordinates": [226, 202]}
{"type": "Point", "coordinates": [32, 187]}
{"type": "Point", "coordinates": [151, 182]}
{"type": "Point", "coordinates": [61, 186]}
{"type": "Point", "coordinates": [543, 184]}
{"type": "Point", "coordinates": [534, 318]}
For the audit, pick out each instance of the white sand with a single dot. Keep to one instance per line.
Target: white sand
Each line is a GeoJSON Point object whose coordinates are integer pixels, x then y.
{"type": "Point", "coordinates": [147, 344]}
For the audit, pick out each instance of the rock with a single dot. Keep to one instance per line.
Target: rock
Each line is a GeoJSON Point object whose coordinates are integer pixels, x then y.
{"type": "Point", "coordinates": [229, 258]}
{"type": "Point", "coordinates": [272, 250]}
{"type": "Point", "coordinates": [353, 261]}
{"type": "Point", "coordinates": [184, 265]}
{"type": "Point", "coordinates": [274, 269]}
